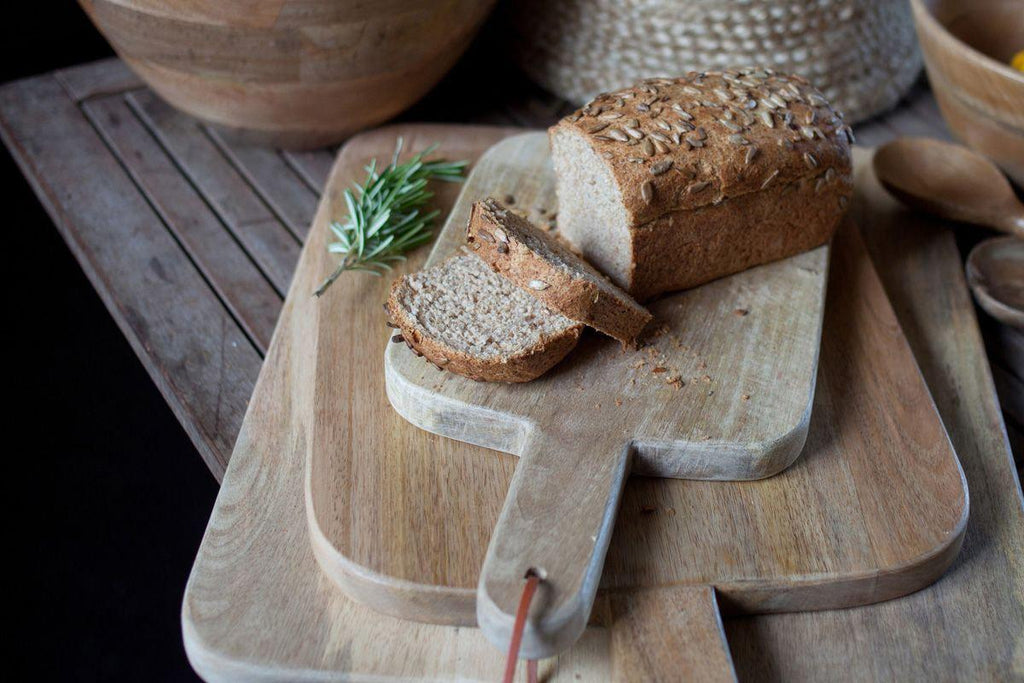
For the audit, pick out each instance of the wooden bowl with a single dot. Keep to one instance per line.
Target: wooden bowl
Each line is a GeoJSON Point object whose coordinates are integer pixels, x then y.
{"type": "Point", "coordinates": [293, 73]}
{"type": "Point", "coordinates": [967, 46]}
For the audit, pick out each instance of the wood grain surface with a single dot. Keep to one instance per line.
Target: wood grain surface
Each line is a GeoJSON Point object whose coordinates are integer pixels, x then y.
{"type": "Point", "coordinates": [669, 532]}
{"type": "Point", "coordinates": [967, 46]}
{"type": "Point", "coordinates": [298, 73]}
{"type": "Point", "coordinates": [970, 624]}
{"type": "Point", "coordinates": [286, 620]}
{"type": "Point", "coordinates": [140, 271]}
{"type": "Point", "coordinates": [683, 406]}
{"type": "Point", "coordinates": [669, 634]}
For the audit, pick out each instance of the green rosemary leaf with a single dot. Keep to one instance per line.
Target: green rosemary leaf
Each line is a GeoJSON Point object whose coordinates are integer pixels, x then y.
{"type": "Point", "coordinates": [385, 217]}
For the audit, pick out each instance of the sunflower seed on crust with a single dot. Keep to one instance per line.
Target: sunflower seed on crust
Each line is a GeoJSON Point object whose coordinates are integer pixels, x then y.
{"type": "Point", "coordinates": [661, 167]}
{"type": "Point", "coordinates": [647, 191]}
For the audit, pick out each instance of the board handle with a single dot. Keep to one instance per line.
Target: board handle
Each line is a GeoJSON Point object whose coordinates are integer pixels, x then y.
{"type": "Point", "coordinates": [669, 634]}
{"type": "Point", "coordinates": [557, 522]}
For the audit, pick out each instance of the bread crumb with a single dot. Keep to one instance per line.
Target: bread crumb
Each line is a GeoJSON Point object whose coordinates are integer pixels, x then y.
{"type": "Point", "coordinates": [618, 402]}
{"type": "Point", "coordinates": [659, 331]}
{"type": "Point", "coordinates": [745, 397]}
{"type": "Point", "coordinates": [675, 381]}
{"type": "Point", "coordinates": [706, 379]}
{"type": "Point", "coordinates": [740, 312]}
{"type": "Point", "coordinates": [660, 369]}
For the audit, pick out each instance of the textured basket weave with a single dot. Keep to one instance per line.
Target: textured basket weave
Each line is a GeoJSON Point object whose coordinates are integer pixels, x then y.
{"type": "Point", "coordinates": [862, 54]}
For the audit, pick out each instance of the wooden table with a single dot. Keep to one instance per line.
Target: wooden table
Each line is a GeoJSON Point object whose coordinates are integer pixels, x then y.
{"type": "Point", "coordinates": [190, 240]}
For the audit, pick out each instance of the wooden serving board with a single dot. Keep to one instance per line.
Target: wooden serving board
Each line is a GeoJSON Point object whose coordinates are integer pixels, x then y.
{"type": "Point", "coordinates": [401, 518]}
{"type": "Point", "coordinates": [721, 389]}
{"type": "Point", "coordinates": [259, 607]}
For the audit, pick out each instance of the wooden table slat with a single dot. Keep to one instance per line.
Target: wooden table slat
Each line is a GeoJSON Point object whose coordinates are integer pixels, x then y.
{"type": "Point", "coordinates": [200, 359]}
{"type": "Point", "coordinates": [313, 167]}
{"type": "Point", "coordinates": [236, 279]}
{"type": "Point", "coordinates": [105, 77]}
{"type": "Point", "coordinates": [267, 240]}
{"type": "Point", "coordinates": [278, 184]}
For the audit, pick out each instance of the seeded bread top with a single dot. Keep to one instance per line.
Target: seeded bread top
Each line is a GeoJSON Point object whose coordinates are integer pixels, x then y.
{"type": "Point", "coordinates": [683, 143]}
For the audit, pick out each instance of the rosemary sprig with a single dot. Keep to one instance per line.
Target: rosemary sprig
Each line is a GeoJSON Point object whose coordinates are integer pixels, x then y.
{"type": "Point", "coordinates": [384, 219]}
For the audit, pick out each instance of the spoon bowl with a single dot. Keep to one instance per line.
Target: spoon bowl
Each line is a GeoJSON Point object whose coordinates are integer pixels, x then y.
{"type": "Point", "coordinates": [949, 181]}
{"type": "Point", "coordinates": [995, 272]}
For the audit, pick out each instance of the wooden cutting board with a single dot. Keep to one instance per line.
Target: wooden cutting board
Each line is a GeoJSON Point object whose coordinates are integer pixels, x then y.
{"type": "Point", "coordinates": [401, 519]}
{"type": "Point", "coordinates": [721, 389]}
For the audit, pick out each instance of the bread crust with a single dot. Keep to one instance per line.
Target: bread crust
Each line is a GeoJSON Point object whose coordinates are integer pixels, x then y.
{"type": "Point", "coordinates": [715, 139]}
{"type": "Point", "coordinates": [740, 233]}
{"type": "Point", "coordinates": [524, 366]}
{"type": "Point", "coordinates": [497, 235]}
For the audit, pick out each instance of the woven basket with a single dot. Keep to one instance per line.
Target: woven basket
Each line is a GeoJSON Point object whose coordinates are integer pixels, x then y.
{"type": "Point", "coordinates": [862, 54]}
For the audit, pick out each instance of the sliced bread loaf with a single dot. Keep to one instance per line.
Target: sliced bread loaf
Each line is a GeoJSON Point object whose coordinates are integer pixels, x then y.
{"type": "Point", "coordinates": [678, 181]}
{"type": "Point", "coordinates": [536, 262]}
{"type": "Point", "coordinates": [465, 318]}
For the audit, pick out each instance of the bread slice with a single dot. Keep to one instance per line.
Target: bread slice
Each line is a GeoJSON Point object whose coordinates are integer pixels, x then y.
{"type": "Point", "coordinates": [464, 317]}
{"type": "Point", "coordinates": [678, 181]}
{"type": "Point", "coordinates": [536, 262]}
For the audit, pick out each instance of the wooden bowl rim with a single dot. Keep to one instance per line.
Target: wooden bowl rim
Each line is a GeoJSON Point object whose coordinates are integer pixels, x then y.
{"type": "Point", "coordinates": [940, 31]}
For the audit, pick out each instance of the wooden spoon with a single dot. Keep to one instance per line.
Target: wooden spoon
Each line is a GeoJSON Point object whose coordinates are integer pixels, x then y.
{"type": "Point", "coordinates": [995, 272]}
{"type": "Point", "coordinates": [949, 181]}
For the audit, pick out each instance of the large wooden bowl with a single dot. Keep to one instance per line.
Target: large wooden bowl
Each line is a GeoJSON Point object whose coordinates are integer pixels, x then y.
{"type": "Point", "coordinates": [967, 46]}
{"type": "Point", "coordinates": [295, 73]}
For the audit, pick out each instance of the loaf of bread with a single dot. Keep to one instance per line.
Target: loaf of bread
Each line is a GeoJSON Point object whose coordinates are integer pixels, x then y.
{"type": "Point", "coordinates": [463, 317]}
{"type": "Point", "coordinates": [534, 260]}
{"type": "Point", "coordinates": [675, 182]}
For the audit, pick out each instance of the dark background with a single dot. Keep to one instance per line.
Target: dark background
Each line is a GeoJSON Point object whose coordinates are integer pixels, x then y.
{"type": "Point", "coordinates": [108, 499]}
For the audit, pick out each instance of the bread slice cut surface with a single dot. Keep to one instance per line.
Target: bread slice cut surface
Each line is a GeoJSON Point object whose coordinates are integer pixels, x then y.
{"type": "Point", "coordinates": [535, 261]}
{"type": "Point", "coordinates": [465, 318]}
